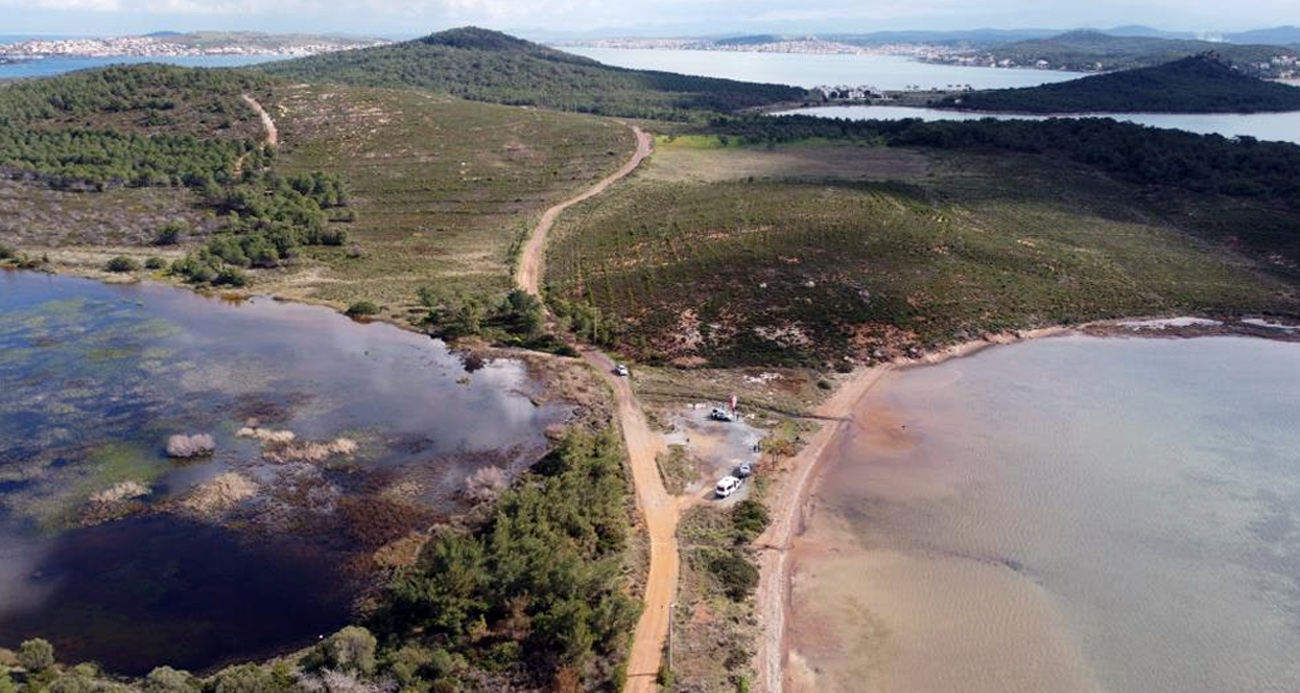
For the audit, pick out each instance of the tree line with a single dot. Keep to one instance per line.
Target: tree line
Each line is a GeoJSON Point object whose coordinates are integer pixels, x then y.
{"type": "Point", "coordinates": [1238, 167]}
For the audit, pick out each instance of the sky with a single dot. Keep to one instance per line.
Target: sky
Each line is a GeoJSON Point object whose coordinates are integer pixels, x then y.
{"type": "Point", "coordinates": [556, 18]}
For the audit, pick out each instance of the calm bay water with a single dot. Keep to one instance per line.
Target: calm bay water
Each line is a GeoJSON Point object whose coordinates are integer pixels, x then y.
{"type": "Point", "coordinates": [1282, 127]}
{"type": "Point", "coordinates": [94, 379]}
{"type": "Point", "coordinates": [47, 67]}
{"type": "Point", "coordinates": [1073, 514]}
{"type": "Point", "coordinates": [880, 71]}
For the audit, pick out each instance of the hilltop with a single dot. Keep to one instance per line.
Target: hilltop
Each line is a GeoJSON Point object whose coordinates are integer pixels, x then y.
{"type": "Point", "coordinates": [1095, 50]}
{"type": "Point", "coordinates": [1199, 84]}
{"type": "Point", "coordinates": [484, 65]}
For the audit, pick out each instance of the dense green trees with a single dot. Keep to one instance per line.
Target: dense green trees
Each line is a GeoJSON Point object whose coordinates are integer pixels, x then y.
{"type": "Point", "coordinates": [490, 66]}
{"type": "Point", "coordinates": [1197, 84]}
{"type": "Point", "coordinates": [1240, 167]}
{"type": "Point", "coordinates": [538, 587]}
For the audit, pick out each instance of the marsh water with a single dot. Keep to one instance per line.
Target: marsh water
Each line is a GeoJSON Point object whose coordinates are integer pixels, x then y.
{"type": "Point", "coordinates": [1281, 127]}
{"type": "Point", "coordinates": [1072, 514]}
{"type": "Point", "coordinates": [804, 70]}
{"type": "Point", "coordinates": [94, 379]}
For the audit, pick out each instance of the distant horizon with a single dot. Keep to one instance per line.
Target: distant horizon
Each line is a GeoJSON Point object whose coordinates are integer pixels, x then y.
{"type": "Point", "coordinates": [606, 34]}
{"type": "Point", "coordinates": [560, 19]}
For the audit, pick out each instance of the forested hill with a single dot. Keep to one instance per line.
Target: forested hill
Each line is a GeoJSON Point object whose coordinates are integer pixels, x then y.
{"type": "Point", "coordinates": [1092, 50]}
{"type": "Point", "coordinates": [485, 65]}
{"type": "Point", "coordinates": [1198, 84]}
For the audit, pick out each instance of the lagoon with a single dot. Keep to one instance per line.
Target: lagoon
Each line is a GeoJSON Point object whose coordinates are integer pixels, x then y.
{"type": "Point", "coordinates": [1281, 127]}
{"type": "Point", "coordinates": [1074, 514]}
{"type": "Point", "coordinates": [804, 70]}
{"type": "Point", "coordinates": [258, 547]}
{"type": "Point", "coordinates": [57, 65]}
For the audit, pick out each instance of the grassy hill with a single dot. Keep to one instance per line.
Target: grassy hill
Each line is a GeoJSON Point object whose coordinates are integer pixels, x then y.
{"type": "Point", "coordinates": [1198, 84]}
{"type": "Point", "coordinates": [1085, 50]}
{"type": "Point", "coordinates": [805, 254]}
{"type": "Point", "coordinates": [484, 65]}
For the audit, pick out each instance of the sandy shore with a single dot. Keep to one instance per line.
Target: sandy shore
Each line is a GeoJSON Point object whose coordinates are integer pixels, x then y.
{"type": "Point", "coordinates": [790, 497]}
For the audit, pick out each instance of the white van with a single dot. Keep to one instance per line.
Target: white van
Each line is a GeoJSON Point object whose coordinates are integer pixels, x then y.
{"type": "Point", "coordinates": [727, 485]}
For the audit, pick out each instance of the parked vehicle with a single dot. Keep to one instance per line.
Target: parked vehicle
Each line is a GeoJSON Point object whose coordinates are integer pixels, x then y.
{"type": "Point", "coordinates": [727, 485]}
{"type": "Point", "coordinates": [720, 414]}
{"type": "Point", "coordinates": [745, 470]}
{"type": "Point", "coordinates": [621, 370]}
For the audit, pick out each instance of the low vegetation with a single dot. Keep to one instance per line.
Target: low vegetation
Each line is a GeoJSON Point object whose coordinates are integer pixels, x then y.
{"type": "Point", "coordinates": [1198, 84]}
{"type": "Point", "coordinates": [715, 624]}
{"type": "Point", "coordinates": [485, 65]}
{"type": "Point", "coordinates": [809, 272]}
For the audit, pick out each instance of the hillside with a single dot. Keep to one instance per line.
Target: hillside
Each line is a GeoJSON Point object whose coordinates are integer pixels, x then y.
{"type": "Point", "coordinates": [1095, 50]}
{"type": "Point", "coordinates": [1198, 84]}
{"type": "Point", "coordinates": [484, 65]}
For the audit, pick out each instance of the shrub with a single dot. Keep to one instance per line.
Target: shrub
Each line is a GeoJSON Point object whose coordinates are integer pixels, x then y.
{"type": "Point", "coordinates": [230, 276]}
{"type": "Point", "coordinates": [351, 650]}
{"type": "Point", "coordinates": [244, 678]}
{"type": "Point", "coordinates": [169, 680]}
{"type": "Point", "coordinates": [362, 309]}
{"type": "Point", "coordinates": [170, 233]}
{"type": "Point", "coordinates": [122, 263]}
{"type": "Point", "coordinates": [7, 253]}
{"type": "Point", "coordinates": [36, 654]}
{"type": "Point", "coordinates": [155, 263]}
{"type": "Point", "coordinates": [737, 575]}
{"type": "Point", "coordinates": [749, 518]}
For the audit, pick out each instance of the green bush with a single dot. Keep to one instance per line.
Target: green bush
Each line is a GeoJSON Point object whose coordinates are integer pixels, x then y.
{"type": "Point", "coordinates": [7, 253]}
{"type": "Point", "coordinates": [230, 276]}
{"type": "Point", "coordinates": [170, 233]}
{"type": "Point", "coordinates": [351, 649]}
{"type": "Point", "coordinates": [244, 678]}
{"type": "Point", "coordinates": [363, 309]}
{"type": "Point", "coordinates": [169, 680]}
{"type": "Point", "coordinates": [36, 655]}
{"type": "Point", "coordinates": [749, 518]}
{"type": "Point", "coordinates": [736, 574]}
{"type": "Point", "coordinates": [122, 263]}
{"type": "Point", "coordinates": [155, 263]}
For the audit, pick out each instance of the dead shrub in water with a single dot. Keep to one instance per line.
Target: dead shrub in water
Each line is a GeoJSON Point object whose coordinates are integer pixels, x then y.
{"type": "Point", "coordinates": [486, 484]}
{"type": "Point", "coordinates": [220, 494]}
{"type": "Point", "coordinates": [189, 446]}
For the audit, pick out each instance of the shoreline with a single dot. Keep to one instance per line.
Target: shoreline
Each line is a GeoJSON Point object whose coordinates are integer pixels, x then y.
{"type": "Point", "coordinates": [790, 500]}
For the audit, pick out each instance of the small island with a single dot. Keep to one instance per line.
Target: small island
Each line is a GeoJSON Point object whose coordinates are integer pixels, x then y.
{"type": "Point", "coordinates": [1203, 83]}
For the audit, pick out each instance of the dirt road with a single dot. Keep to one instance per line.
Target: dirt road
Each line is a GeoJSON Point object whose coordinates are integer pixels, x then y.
{"type": "Point", "coordinates": [272, 135]}
{"type": "Point", "coordinates": [531, 259]}
{"type": "Point", "coordinates": [659, 510]}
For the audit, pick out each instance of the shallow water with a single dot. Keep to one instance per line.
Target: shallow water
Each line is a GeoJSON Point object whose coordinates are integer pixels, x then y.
{"type": "Point", "coordinates": [801, 70]}
{"type": "Point", "coordinates": [1280, 127]}
{"type": "Point", "coordinates": [57, 65]}
{"type": "Point", "coordinates": [95, 378]}
{"type": "Point", "coordinates": [1072, 514]}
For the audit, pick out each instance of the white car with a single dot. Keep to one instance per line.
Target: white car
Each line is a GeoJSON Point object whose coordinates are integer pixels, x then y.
{"type": "Point", "coordinates": [620, 370]}
{"type": "Point", "coordinates": [745, 470]}
{"type": "Point", "coordinates": [720, 414]}
{"type": "Point", "coordinates": [727, 485]}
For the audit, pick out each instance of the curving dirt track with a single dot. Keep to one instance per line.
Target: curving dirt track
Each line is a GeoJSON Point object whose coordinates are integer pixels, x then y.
{"type": "Point", "coordinates": [531, 259]}
{"type": "Point", "coordinates": [659, 510]}
{"type": "Point", "coordinates": [272, 135]}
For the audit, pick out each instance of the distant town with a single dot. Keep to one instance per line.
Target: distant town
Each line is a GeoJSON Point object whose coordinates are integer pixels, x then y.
{"type": "Point", "coordinates": [169, 45]}
{"type": "Point", "coordinates": [1284, 65]}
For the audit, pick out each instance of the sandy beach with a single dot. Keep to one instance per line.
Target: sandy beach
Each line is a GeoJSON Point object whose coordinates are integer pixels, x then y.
{"type": "Point", "coordinates": [789, 498]}
{"type": "Point", "coordinates": [1037, 520]}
